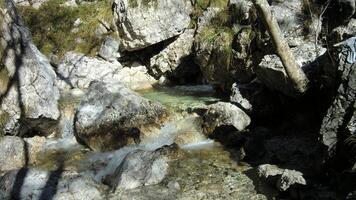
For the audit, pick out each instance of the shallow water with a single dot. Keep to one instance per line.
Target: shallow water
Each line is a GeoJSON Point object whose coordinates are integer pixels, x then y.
{"type": "Point", "coordinates": [181, 98]}
{"type": "Point", "coordinates": [207, 171]}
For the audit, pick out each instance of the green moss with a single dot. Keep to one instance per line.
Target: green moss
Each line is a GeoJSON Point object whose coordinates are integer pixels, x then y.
{"type": "Point", "coordinates": [53, 30]}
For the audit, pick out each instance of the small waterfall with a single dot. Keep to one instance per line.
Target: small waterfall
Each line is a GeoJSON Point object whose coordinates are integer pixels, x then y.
{"type": "Point", "coordinates": [167, 135]}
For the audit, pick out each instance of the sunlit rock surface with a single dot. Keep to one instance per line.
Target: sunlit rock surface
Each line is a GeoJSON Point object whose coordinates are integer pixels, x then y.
{"type": "Point", "coordinates": [144, 23]}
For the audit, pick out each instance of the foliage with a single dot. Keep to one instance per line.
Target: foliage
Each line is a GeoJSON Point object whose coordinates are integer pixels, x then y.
{"type": "Point", "coordinates": [53, 29]}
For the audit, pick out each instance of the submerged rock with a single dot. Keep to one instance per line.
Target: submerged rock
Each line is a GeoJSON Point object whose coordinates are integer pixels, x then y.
{"type": "Point", "coordinates": [144, 23]}
{"type": "Point", "coordinates": [78, 70]}
{"type": "Point", "coordinates": [111, 114]}
{"type": "Point", "coordinates": [225, 114]}
{"type": "Point", "coordinates": [28, 91]}
{"type": "Point", "coordinates": [286, 178]}
{"type": "Point", "coordinates": [56, 185]}
{"type": "Point", "coordinates": [173, 59]}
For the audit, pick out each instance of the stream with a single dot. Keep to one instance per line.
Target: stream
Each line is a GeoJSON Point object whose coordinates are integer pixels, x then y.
{"type": "Point", "coordinates": [207, 171]}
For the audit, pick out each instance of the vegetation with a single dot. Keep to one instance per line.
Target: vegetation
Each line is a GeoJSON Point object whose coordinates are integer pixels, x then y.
{"type": "Point", "coordinates": [53, 29]}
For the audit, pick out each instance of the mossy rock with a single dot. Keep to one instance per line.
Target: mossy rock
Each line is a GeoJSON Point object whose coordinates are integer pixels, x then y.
{"type": "Point", "coordinates": [54, 32]}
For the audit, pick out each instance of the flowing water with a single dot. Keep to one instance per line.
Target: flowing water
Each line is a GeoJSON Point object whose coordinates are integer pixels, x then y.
{"type": "Point", "coordinates": [208, 171]}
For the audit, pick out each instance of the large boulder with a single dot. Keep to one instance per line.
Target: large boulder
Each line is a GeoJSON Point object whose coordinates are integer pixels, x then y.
{"type": "Point", "coordinates": [56, 185]}
{"type": "Point", "coordinates": [173, 59]}
{"type": "Point", "coordinates": [144, 23]}
{"type": "Point", "coordinates": [111, 114]}
{"type": "Point", "coordinates": [28, 90]}
{"type": "Point", "coordinates": [77, 71]}
{"type": "Point", "coordinates": [225, 114]}
{"type": "Point", "coordinates": [271, 71]}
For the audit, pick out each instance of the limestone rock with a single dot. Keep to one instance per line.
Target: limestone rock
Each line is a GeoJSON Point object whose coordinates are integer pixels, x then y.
{"type": "Point", "coordinates": [144, 23]}
{"type": "Point", "coordinates": [28, 91]}
{"type": "Point", "coordinates": [13, 153]}
{"type": "Point", "coordinates": [286, 177]}
{"type": "Point", "coordinates": [225, 114]}
{"type": "Point", "coordinates": [109, 49]}
{"type": "Point", "coordinates": [78, 70]}
{"type": "Point", "coordinates": [237, 97]}
{"type": "Point", "coordinates": [111, 114]}
{"type": "Point", "coordinates": [141, 168]}
{"type": "Point", "coordinates": [172, 59]}
{"type": "Point", "coordinates": [56, 185]}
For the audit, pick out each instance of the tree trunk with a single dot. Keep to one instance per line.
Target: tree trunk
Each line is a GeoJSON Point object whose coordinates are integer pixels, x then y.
{"type": "Point", "coordinates": [294, 71]}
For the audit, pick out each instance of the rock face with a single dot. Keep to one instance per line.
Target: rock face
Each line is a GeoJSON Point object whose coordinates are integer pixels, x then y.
{"type": "Point", "coordinates": [172, 59]}
{"type": "Point", "coordinates": [225, 114]}
{"type": "Point", "coordinates": [111, 114]}
{"type": "Point", "coordinates": [13, 154]}
{"type": "Point", "coordinates": [77, 70]}
{"type": "Point", "coordinates": [339, 122]}
{"type": "Point", "coordinates": [272, 73]}
{"type": "Point", "coordinates": [56, 185]}
{"type": "Point", "coordinates": [144, 23]}
{"type": "Point", "coordinates": [141, 168]}
{"type": "Point", "coordinates": [28, 91]}
{"type": "Point", "coordinates": [286, 177]}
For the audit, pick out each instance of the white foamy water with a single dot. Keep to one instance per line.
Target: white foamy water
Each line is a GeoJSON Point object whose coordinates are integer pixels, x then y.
{"type": "Point", "coordinates": [206, 144]}
{"type": "Point", "coordinates": [166, 135]}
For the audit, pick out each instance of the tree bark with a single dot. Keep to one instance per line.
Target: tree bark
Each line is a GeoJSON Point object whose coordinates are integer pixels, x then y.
{"type": "Point", "coordinates": [294, 71]}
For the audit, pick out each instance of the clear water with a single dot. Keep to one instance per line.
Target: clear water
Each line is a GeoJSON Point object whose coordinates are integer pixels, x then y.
{"type": "Point", "coordinates": [181, 98]}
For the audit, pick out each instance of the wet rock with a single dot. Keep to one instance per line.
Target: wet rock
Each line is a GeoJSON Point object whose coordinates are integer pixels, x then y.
{"type": "Point", "coordinates": [13, 153]}
{"type": "Point", "coordinates": [111, 114]}
{"type": "Point", "coordinates": [56, 185]}
{"type": "Point", "coordinates": [173, 59]}
{"type": "Point", "coordinates": [286, 178]}
{"type": "Point", "coordinates": [272, 73]}
{"type": "Point", "coordinates": [144, 23]}
{"type": "Point", "coordinates": [141, 168]}
{"type": "Point", "coordinates": [109, 49]}
{"type": "Point", "coordinates": [29, 94]}
{"type": "Point", "coordinates": [225, 114]}
{"type": "Point", "coordinates": [78, 70]}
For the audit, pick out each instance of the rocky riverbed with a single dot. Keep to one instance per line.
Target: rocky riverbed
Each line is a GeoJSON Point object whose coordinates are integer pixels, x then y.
{"type": "Point", "coordinates": [185, 99]}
